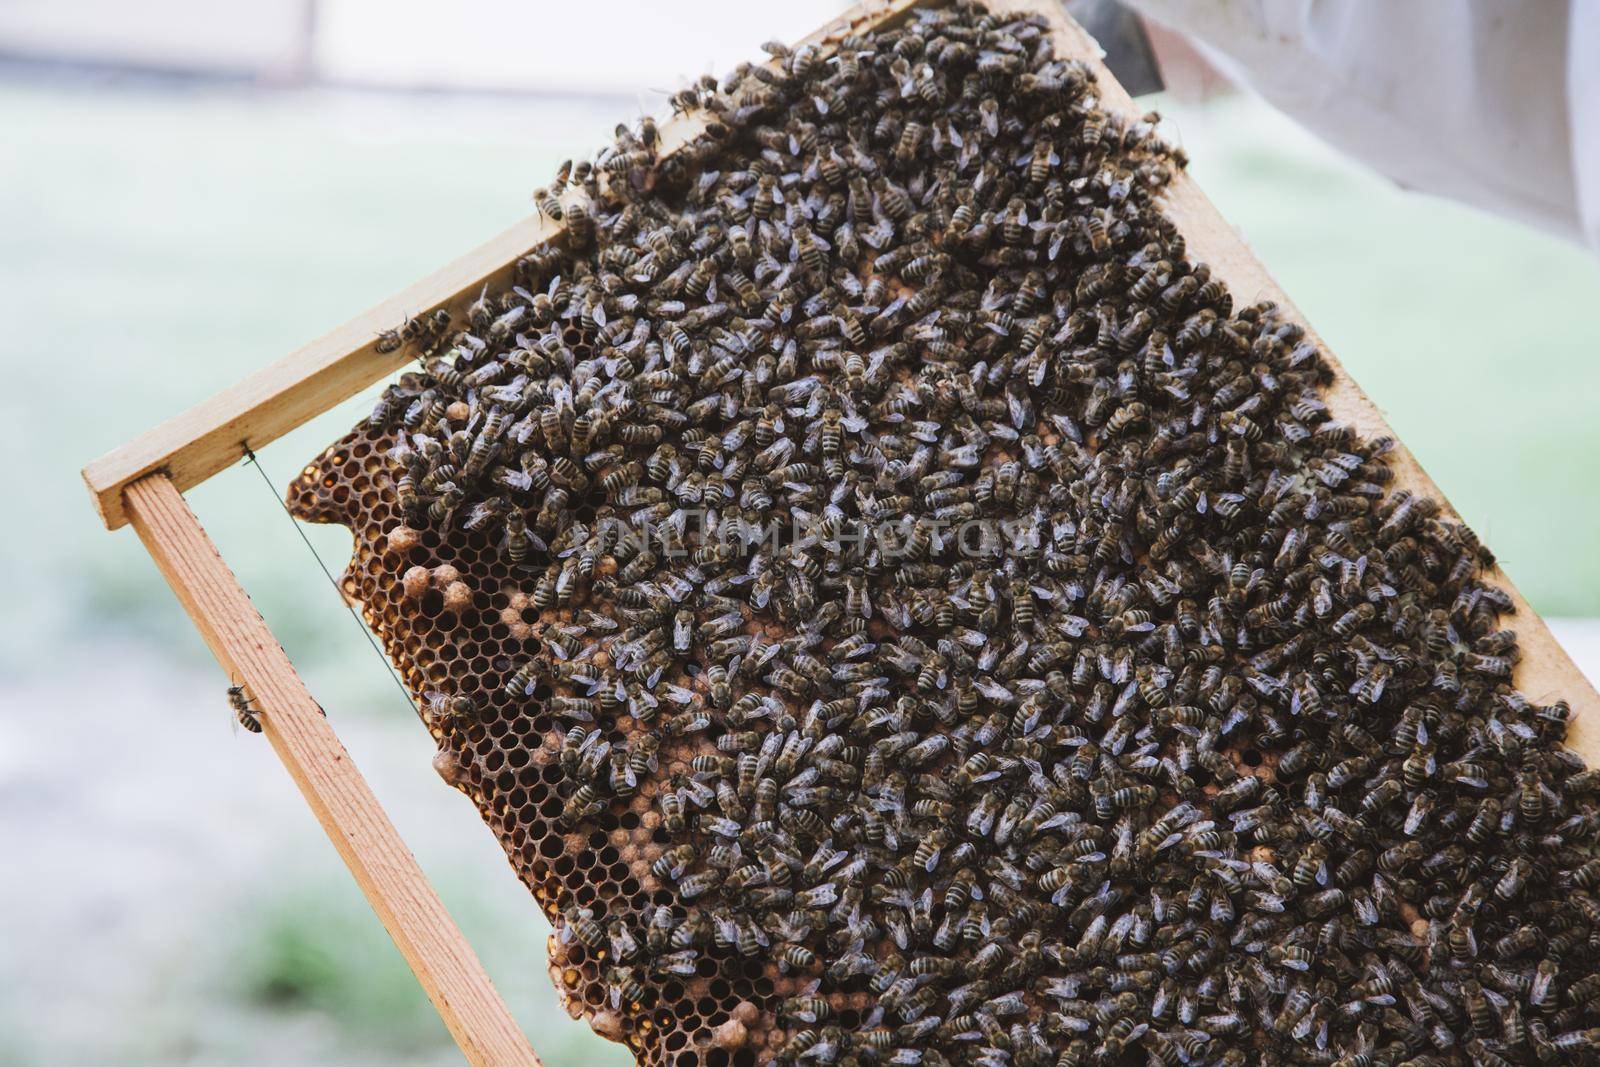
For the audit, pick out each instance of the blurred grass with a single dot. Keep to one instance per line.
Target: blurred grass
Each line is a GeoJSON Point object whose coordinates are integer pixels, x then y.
{"type": "Point", "coordinates": [298, 955]}
{"type": "Point", "coordinates": [299, 970]}
{"type": "Point", "coordinates": [317, 948]}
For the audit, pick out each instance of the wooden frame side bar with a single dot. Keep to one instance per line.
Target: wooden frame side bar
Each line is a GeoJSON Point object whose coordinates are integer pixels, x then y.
{"type": "Point", "coordinates": [395, 886]}
{"type": "Point", "coordinates": [206, 439]}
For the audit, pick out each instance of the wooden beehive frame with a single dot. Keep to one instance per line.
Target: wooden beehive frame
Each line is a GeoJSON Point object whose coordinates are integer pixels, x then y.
{"type": "Point", "coordinates": [142, 482]}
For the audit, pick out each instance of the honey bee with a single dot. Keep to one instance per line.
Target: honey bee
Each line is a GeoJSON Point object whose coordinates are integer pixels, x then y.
{"type": "Point", "coordinates": [517, 541]}
{"type": "Point", "coordinates": [580, 222]}
{"type": "Point", "coordinates": [673, 863]}
{"type": "Point", "coordinates": [415, 329]}
{"type": "Point", "coordinates": [425, 327]}
{"type": "Point", "coordinates": [581, 924]}
{"type": "Point", "coordinates": [244, 711]}
{"type": "Point", "coordinates": [520, 682]}
{"type": "Point", "coordinates": [767, 198]}
{"type": "Point", "coordinates": [910, 141]}
{"type": "Point", "coordinates": [809, 250]}
{"type": "Point", "coordinates": [795, 957]}
{"type": "Point", "coordinates": [649, 134]}
{"type": "Point", "coordinates": [1042, 161]}
{"type": "Point", "coordinates": [547, 203]}
{"type": "Point", "coordinates": [443, 709]}
{"type": "Point", "coordinates": [624, 987]}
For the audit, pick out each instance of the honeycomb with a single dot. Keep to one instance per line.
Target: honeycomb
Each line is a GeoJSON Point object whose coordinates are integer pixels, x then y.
{"type": "Point", "coordinates": [452, 614]}
{"type": "Point", "coordinates": [1183, 767]}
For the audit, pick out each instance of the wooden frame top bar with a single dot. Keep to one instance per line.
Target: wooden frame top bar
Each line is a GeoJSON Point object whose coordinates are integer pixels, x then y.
{"type": "Point", "coordinates": [209, 437]}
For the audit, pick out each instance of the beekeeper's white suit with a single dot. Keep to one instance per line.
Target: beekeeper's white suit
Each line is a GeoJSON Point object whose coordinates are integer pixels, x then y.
{"type": "Point", "coordinates": [1493, 102]}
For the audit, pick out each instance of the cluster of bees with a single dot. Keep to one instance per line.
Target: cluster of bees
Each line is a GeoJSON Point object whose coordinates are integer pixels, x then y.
{"type": "Point", "coordinates": [1214, 758]}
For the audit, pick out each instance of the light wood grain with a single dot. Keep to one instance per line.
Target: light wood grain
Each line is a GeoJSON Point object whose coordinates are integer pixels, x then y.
{"type": "Point", "coordinates": [210, 436]}
{"type": "Point", "coordinates": [382, 865]}
{"type": "Point", "coordinates": [1546, 672]}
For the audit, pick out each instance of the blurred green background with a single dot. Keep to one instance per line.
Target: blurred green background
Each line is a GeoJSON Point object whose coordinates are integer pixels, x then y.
{"type": "Point", "coordinates": [170, 900]}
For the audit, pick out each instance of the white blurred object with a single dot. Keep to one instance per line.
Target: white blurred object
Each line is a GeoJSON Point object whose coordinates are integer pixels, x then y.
{"type": "Point", "coordinates": [265, 38]}
{"type": "Point", "coordinates": [1492, 102]}
{"type": "Point", "coordinates": [599, 46]}
{"type": "Point", "coordinates": [1581, 639]}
